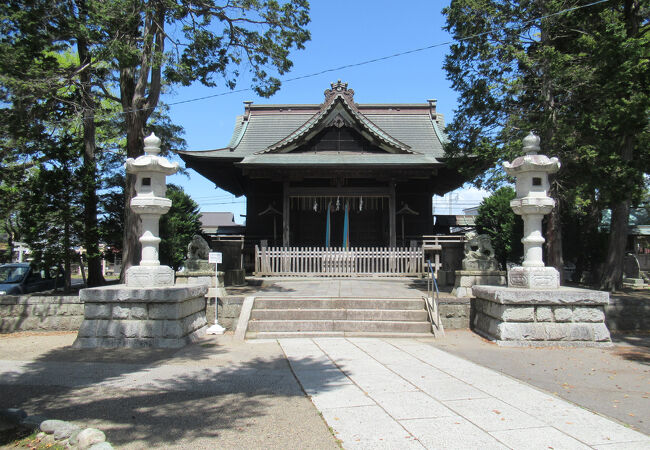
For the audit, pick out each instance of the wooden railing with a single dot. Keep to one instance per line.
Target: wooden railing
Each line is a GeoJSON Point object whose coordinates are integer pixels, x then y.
{"type": "Point", "coordinates": [338, 262]}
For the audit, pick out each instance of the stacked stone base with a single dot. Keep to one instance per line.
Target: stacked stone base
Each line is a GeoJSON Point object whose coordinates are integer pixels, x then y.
{"type": "Point", "coordinates": [465, 279]}
{"type": "Point", "coordinates": [529, 317]}
{"type": "Point", "coordinates": [199, 277]}
{"type": "Point", "coordinates": [121, 316]}
{"type": "Point", "coordinates": [235, 277]}
{"type": "Point", "coordinates": [633, 282]}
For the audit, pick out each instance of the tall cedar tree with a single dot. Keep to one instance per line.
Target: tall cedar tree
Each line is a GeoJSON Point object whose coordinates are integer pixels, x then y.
{"type": "Point", "coordinates": [579, 79]}
{"type": "Point", "coordinates": [43, 91]}
{"type": "Point", "coordinates": [217, 39]}
{"type": "Point", "coordinates": [140, 46]}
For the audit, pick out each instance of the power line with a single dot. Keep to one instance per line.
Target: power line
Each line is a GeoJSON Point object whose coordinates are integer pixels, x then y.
{"type": "Point", "coordinates": [241, 202]}
{"type": "Point", "coordinates": [348, 66]}
{"type": "Point", "coordinates": [384, 58]}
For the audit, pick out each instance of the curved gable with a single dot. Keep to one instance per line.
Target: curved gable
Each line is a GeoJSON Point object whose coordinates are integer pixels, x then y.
{"type": "Point", "coordinates": [339, 111]}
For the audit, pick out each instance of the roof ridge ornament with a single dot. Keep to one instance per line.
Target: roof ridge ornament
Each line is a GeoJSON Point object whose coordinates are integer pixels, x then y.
{"type": "Point", "coordinates": [339, 89]}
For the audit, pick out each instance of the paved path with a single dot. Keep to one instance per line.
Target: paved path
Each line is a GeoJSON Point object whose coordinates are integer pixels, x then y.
{"type": "Point", "coordinates": [403, 393]}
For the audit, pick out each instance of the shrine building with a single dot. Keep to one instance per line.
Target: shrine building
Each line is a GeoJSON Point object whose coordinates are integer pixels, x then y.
{"type": "Point", "coordinates": [335, 174]}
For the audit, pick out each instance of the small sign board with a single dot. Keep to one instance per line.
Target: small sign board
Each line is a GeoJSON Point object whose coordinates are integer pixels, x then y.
{"type": "Point", "coordinates": [214, 257]}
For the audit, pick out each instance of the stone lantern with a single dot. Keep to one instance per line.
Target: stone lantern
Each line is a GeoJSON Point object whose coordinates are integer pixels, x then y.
{"type": "Point", "coordinates": [149, 204]}
{"type": "Point", "coordinates": [532, 204]}
{"type": "Point", "coordinates": [534, 310]}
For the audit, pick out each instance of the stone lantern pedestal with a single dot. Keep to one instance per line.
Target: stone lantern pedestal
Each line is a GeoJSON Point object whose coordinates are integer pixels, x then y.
{"type": "Point", "coordinates": [149, 310]}
{"type": "Point", "coordinates": [533, 310]}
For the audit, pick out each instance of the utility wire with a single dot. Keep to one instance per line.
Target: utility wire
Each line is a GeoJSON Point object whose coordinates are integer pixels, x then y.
{"type": "Point", "coordinates": [384, 58]}
{"type": "Point", "coordinates": [348, 66]}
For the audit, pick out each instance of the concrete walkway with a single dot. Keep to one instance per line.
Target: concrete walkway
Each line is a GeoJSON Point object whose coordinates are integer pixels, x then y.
{"type": "Point", "coordinates": [373, 393]}
{"type": "Point", "coordinates": [404, 393]}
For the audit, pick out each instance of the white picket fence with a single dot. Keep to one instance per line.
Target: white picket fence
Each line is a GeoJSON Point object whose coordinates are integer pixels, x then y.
{"type": "Point", "coordinates": [339, 262]}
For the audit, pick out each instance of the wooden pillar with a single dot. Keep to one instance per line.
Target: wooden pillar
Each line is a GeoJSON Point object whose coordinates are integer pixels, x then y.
{"type": "Point", "coordinates": [285, 214]}
{"type": "Point", "coordinates": [391, 215]}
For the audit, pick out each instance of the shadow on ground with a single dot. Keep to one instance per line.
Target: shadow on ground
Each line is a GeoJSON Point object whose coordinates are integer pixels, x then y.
{"type": "Point", "coordinates": [170, 398]}
{"type": "Point", "coordinates": [633, 346]}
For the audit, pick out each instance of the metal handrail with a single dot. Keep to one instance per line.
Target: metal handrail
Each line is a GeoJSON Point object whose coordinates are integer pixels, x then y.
{"type": "Point", "coordinates": [432, 303]}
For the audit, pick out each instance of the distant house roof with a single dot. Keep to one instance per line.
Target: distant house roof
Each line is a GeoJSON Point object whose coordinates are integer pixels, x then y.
{"type": "Point", "coordinates": [455, 220]}
{"type": "Point", "coordinates": [640, 230]}
{"type": "Point", "coordinates": [217, 219]}
{"type": "Point", "coordinates": [220, 223]}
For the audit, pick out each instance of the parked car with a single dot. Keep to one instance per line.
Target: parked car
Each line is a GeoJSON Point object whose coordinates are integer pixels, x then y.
{"type": "Point", "coordinates": [23, 278]}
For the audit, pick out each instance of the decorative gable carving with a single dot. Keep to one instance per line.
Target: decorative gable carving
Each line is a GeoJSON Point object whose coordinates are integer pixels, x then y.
{"type": "Point", "coordinates": [341, 89]}
{"type": "Point", "coordinates": [339, 122]}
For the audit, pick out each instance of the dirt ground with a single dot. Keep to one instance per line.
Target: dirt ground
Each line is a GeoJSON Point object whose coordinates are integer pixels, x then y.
{"type": "Point", "coordinates": [213, 394]}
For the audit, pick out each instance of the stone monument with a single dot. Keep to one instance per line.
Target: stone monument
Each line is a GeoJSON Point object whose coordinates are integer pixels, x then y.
{"type": "Point", "coordinates": [149, 310]}
{"type": "Point", "coordinates": [197, 268]}
{"type": "Point", "coordinates": [198, 252]}
{"type": "Point", "coordinates": [632, 272]}
{"type": "Point", "coordinates": [479, 266]}
{"type": "Point", "coordinates": [534, 309]}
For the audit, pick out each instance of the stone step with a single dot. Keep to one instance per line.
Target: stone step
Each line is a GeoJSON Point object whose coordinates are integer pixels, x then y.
{"type": "Point", "coordinates": [318, 334]}
{"type": "Point", "coordinates": [339, 325]}
{"type": "Point", "coordinates": [338, 303]}
{"type": "Point", "coordinates": [401, 315]}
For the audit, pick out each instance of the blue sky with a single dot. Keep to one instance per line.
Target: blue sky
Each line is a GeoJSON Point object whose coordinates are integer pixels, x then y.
{"type": "Point", "coordinates": [343, 33]}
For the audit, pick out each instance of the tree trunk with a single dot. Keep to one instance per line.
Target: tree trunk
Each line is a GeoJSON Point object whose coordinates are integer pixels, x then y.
{"type": "Point", "coordinates": [89, 178]}
{"type": "Point", "coordinates": [588, 239]}
{"type": "Point", "coordinates": [10, 242]}
{"type": "Point", "coordinates": [139, 94]}
{"type": "Point", "coordinates": [554, 223]}
{"type": "Point", "coordinates": [612, 278]}
{"type": "Point", "coordinates": [554, 257]}
{"type": "Point", "coordinates": [131, 249]}
{"type": "Point", "coordinates": [67, 276]}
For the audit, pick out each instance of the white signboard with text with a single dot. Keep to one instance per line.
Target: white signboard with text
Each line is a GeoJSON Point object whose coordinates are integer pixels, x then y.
{"type": "Point", "coordinates": [214, 257]}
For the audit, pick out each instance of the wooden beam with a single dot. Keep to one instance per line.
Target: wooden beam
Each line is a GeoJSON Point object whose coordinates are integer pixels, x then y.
{"type": "Point", "coordinates": [391, 215]}
{"type": "Point", "coordinates": [285, 214]}
{"type": "Point", "coordinates": [343, 191]}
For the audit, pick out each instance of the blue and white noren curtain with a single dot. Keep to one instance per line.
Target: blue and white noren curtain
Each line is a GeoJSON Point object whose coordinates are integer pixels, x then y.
{"type": "Point", "coordinates": [346, 227]}
{"type": "Point", "coordinates": [327, 226]}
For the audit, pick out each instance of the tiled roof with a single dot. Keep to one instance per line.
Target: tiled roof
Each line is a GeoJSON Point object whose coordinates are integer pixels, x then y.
{"type": "Point", "coordinates": [366, 159]}
{"type": "Point", "coordinates": [409, 133]}
{"type": "Point", "coordinates": [334, 107]}
{"type": "Point", "coordinates": [262, 131]}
